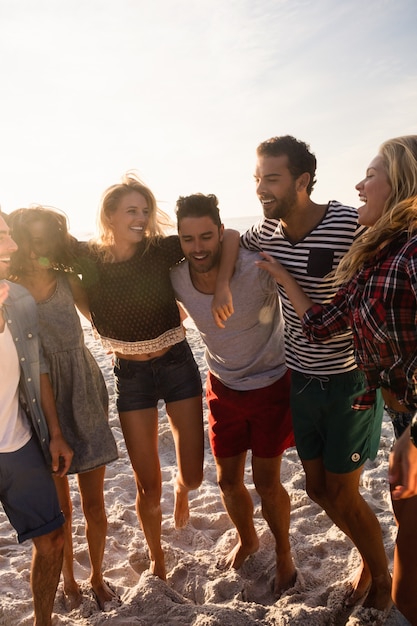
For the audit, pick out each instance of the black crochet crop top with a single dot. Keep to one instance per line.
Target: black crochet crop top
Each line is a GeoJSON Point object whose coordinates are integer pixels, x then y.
{"type": "Point", "coordinates": [132, 303]}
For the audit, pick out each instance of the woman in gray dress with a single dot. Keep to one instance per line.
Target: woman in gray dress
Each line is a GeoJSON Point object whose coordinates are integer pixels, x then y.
{"type": "Point", "coordinates": [42, 264]}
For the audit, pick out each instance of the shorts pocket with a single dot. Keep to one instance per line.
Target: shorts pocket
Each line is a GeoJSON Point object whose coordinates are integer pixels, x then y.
{"type": "Point", "coordinates": [177, 355]}
{"type": "Point", "coordinates": [122, 369]}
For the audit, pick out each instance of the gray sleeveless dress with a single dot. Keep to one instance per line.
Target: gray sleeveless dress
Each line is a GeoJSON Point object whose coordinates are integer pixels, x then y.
{"type": "Point", "coordinates": [79, 387]}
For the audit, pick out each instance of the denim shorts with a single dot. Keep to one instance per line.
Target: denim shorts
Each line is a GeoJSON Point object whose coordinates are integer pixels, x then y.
{"type": "Point", "coordinates": [28, 493]}
{"type": "Point", "coordinates": [400, 421]}
{"type": "Point", "coordinates": [172, 377]}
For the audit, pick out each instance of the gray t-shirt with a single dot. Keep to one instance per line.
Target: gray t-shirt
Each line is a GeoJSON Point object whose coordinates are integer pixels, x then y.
{"type": "Point", "coordinates": [249, 352]}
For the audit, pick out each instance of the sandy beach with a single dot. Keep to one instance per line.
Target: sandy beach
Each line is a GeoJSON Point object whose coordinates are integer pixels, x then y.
{"type": "Point", "coordinates": [197, 591]}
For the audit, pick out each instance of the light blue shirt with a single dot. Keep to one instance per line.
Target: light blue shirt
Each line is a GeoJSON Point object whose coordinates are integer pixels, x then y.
{"type": "Point", "coordinates": [21, 316]}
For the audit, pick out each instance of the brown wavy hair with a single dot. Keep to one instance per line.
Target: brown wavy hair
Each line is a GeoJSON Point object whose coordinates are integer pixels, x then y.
{"type": "Point", "coordinates": [60, 243]}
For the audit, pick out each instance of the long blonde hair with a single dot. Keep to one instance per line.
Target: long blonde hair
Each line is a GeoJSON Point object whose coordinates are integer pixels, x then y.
{"type": "Point", "coordinates": [399, 214]}
{"type": "Point", "coordinates": [158, 222]}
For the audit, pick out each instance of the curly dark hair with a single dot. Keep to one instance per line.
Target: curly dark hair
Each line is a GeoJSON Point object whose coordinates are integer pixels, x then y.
{"type": "Point", "coordinates": [198, 205]}
{"type": "Point", "coordinates": [300, 158]}
{"type": "Point", "coordinates": [61, 244]}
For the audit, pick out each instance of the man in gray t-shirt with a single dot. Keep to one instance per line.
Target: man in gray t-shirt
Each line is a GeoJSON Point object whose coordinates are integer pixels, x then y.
{"type": "Point", "coordinates": [247, 383]}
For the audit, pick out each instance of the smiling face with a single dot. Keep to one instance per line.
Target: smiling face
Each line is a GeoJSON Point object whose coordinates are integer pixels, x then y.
{"type": "Point", "coordinates": [130, 220]}
{"type": "Point", "coordinates": [275, 186]}
{"type": "Point", "coordinates": [374, 191]}
{"type": "Point", "coordinates": [201, 241]}
{"type": "Point", "coordinates": [7, 247]}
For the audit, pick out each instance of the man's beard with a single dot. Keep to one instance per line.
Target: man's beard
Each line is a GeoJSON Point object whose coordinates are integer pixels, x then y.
{"type": "Point", "coordinates": [212, 261]}
{"type": "Point", "coordinates": [282, 208]}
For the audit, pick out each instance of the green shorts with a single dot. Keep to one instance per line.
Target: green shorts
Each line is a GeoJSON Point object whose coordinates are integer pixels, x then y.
{"type": "Point", "coordinates": [326, 426]}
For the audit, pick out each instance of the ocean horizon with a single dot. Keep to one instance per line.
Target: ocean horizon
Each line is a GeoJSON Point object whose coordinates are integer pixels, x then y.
{"type": "Point", "coordinates": [238, 223]}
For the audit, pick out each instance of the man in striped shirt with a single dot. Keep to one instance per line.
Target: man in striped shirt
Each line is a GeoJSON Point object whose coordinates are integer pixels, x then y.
{"type": "Point", "coordinates": [333, 439]}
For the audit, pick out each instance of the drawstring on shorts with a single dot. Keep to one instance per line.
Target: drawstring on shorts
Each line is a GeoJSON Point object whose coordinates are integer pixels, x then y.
{"type": "Point", "coordinates": [321, 379]}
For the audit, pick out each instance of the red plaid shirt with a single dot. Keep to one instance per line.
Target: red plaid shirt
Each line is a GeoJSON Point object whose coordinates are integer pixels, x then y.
{"type": "Point", "coordinates": [380, 305]}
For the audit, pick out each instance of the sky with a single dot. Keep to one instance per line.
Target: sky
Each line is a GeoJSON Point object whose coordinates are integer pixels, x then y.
{"type": "Point", "coordinates": [182, 92]}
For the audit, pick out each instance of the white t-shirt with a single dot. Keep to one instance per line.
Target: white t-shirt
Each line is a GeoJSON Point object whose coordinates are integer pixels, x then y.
{"type": "Point", "coordinates": [15, 429]}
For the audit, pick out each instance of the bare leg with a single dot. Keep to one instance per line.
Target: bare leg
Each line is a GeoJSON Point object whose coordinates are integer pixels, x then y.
{"type": "Point", "coordinates": [45, 573]}
{"type": "Point", "coordinates": [404, 582]}
{"type": "Point", "coordinates": [186, 421]}
{"type": "Point", "coordinates": [239, 506]}
{"type": "Point", "coordinates": [316, 476]}
{"type": "Point", "coordinates": [276, 511]}
{"type": "Point", "coordinates": [140, 430]}
{"type": "Point", "coordinates": [91, 486]}
{"type": "Point", "coordinates": [72, 593]}
{"type": "Point", "coordinates": [365, 533]}
{"type": "Point", "coordinates": [339, 496]}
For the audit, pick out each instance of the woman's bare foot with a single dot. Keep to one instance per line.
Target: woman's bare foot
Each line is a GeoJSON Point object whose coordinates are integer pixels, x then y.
{"type": "Point", "coordinates": [181, 509]}
{"type": "Point", "coordinates": [286, 574]}
{"type": "Point", "coordinates": [103, 593]}
{"type": "Point", "coordinates": [360, 586]}
{"type": "Point", "coordinates": [72, 596]}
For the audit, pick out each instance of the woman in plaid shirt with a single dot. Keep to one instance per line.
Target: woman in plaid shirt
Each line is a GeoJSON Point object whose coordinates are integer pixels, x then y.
{"type": "Point", "coordinates": [378, 300]}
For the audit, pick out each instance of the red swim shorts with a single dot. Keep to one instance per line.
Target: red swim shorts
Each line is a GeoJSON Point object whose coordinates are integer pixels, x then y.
{"type": "Point", "coordinates": [258, 419]}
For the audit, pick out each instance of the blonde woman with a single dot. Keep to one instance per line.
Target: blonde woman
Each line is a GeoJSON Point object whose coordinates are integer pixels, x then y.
{"type": "Point", "coordinates": [126, 275]}
{"type": "Point", "coordinates": [378, 300]}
